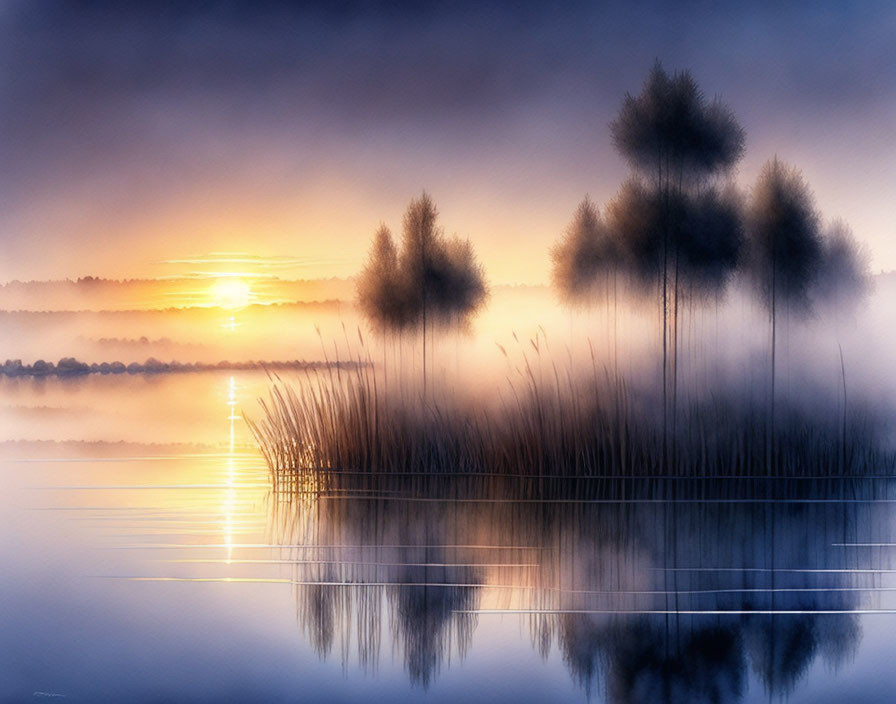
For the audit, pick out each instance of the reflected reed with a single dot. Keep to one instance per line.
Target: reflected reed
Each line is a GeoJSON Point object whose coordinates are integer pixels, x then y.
{"type": "Point", "coordinates": [657, 571]}
{"type": "Point", "coordinates": [644, 601]}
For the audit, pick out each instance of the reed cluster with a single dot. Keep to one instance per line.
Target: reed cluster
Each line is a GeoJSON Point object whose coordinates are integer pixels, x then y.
{"type": "Point", "coordinates": [549, 425]}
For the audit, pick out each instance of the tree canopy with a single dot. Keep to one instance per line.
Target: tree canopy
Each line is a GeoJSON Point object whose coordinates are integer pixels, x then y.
{"type": "Point", "coordinates": [672, 132]}
{"type": "Point", "coordinates": [785, 241]}
{"type": "Point", "coordinates": [586, 254]}
{"type": "Point", "coordinates": [432, 277]}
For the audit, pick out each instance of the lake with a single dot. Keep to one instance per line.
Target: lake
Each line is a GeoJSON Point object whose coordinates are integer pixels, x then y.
{"type": "Point", "coordinates": [147, 559]}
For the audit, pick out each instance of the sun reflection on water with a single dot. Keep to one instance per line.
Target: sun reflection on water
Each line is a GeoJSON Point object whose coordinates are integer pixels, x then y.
{"type": "Point", "coordinates": [230, 492]}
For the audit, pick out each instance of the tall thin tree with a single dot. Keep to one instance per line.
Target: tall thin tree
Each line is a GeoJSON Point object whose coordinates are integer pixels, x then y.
{"type": "Point", "coordinates": [431, 280]}
{"type": "Point", "coordinates": [785, 253]}
{"type": "Point", "coordinates": [676, 139]}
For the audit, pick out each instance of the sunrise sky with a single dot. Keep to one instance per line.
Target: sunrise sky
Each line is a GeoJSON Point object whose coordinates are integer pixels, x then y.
{"type": "Point", "coordinates": [133, 133]}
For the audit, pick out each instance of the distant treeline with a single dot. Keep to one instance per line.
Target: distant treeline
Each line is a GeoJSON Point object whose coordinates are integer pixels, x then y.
{"type": "Point", "coordinates": [69, 366]}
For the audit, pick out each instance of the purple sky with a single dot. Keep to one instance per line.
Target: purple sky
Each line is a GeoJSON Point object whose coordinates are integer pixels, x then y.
{"type": "Point", "coordinates": [134, 132]}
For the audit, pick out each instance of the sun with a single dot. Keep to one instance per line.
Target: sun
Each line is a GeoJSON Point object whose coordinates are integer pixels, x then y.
{"type": "Point", "coordinates": [231, 293]}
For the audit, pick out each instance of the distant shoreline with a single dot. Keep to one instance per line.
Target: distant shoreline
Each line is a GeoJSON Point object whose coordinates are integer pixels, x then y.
{"type": "Point", "coordinates": [71, 367]}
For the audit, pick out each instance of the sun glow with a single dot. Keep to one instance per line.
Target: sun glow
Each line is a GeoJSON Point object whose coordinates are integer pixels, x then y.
{"type": "Point", "coordinates": [231, 293]}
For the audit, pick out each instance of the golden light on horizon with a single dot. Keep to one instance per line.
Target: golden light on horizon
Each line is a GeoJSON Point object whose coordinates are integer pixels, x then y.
{"type": "Point", "coordinates": [230, 294]}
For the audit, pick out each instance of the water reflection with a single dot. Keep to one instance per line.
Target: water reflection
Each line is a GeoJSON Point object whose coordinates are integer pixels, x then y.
{"type": "Point", "coordinates": [739, 590]}
{"type": "Point", "coordinates": [646, 602]}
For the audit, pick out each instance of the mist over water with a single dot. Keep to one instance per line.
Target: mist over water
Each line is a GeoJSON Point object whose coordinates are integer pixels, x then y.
{"type": "Point", "coordinates": [181, 560]}
{"type": "Point", "coordinates": [726, 335]}
{"type": "Point", "coordinates": [145, 535]}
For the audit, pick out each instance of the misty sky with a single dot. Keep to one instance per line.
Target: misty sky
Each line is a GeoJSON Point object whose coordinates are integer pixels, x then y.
{"type": "Point", "coordinates": [137, 132]}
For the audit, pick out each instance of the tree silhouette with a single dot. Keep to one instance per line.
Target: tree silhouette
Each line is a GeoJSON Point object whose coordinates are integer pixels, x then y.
{"type": "Point", "coordinates": [785, 251]}
{"type": "Point", "coordinates": [841, 283]}
{"type": "Point", "coordinates": [843, 278]}
{"type": "Point", "coordinates": [676, 140]}
{"type": "Point", "coordinates": [672, 133]}
{"type": "Point", "coordinates": [586, 255]}
{"type": "Point", "coordinates": [432, 280]}
{"type": "Point", "coordinates": [711, 240]}
{"type": "Point", "coordinates": [381, 291]}
{"type": "Point", "coordinates": [635, 217]}
{"type": "Point", "coordinates": [420, 248]}
{"type": "Point", "coordinates": [461, 289]}
{"type": "Point", "coordinates": [586, 260]}
{"type": "Point", "coordinates": [785, 237]}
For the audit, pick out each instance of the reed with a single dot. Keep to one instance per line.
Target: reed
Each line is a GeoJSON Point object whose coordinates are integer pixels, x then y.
{"type": "Point", "coordinates": [340, 427]}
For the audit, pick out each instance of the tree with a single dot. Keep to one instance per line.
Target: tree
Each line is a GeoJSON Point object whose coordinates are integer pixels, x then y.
{"type": "Point", "coordinates": [785, 252]}
{"type": "Point", "coordinates": [585, 256]}
{"type": "Point", "coordinates": [381, 291]}
{"type": "Point", "coordinates": [842, 282]}
{"type": "Point", "coordinates": [711, 240]}
{"type": "Point", "coordinates": [843, 279]}
{"type": "Point", "coordinates": [431, 280]}
{"type": "Point", "coordinates": [420, 248]}
{"type": "Point", "coordinates": [676, 140]}
{"type": "Point", "coordinates": [671, 133]}
{"type": "Point", "coordinates": [587, 259]}
{"type": "Point", "coordinates": [462, 290]}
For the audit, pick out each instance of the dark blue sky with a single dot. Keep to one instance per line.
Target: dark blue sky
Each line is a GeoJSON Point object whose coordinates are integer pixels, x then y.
{"type": "Point", "coordinates": [139, 131]}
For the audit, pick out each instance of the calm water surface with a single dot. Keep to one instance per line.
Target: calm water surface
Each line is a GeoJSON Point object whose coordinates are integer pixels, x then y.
{"type": "Point", "coordinates": [146, 559]}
